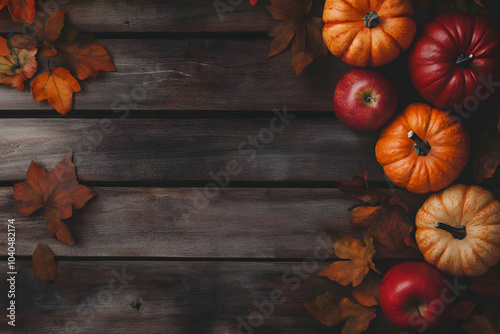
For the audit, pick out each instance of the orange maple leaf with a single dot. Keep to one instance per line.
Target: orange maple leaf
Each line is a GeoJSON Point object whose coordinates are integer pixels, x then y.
{"type": "Point", "coordinates": [20, 9]}
{"type": "Point", "coordinates": [384, 217]}
{"type": "Point", "coordinates": [85, 57]}
{"type": "Point", "coordinates": [19, 66]}
{"type": "Point", "coordinates": [57, 87]}
{"type": "Point", "coordinates": [297, 22]}
{"type": "Point", "coordinates": [58, 192]}
{"type": "Point", "coordinates": [359, 255]}
{"type": "Point", "coordinates": [44, 265]}
{"type": "Point", "coordinates": [331, 311]}
{"type": "Point", "coordinates": [4, 47]}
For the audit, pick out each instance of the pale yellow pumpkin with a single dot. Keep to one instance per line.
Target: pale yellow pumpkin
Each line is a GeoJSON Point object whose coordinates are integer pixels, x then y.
{"type": "Point", "coordinates": [458, 230]}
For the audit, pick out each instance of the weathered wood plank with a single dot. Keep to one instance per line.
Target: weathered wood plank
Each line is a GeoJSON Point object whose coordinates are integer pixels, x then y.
{"type": "Point", "coordinates": [182, 222]}
{"type": "Point", "coordinates": [211, 74]}
{"type": "Point", "coordinates": [190, 149]}
{"type": "Point", "coordinates": [156, 16]}
{"type": "Point", "coordinates": [176, 298]}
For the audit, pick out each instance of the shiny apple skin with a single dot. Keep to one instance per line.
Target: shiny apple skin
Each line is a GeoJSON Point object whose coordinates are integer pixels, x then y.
{"type": "Point", "coordinates": [410, 283]}
{"type": "Point", "coordinates": [351, 105]}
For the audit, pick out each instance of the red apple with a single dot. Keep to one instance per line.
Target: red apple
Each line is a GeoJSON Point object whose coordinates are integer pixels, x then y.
{"type": "Point", "coordinates": [414, 296]}
{"type": "Point", "coordinates": [364, 100]}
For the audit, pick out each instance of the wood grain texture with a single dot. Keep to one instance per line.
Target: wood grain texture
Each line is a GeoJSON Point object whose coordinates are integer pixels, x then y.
{"type": "Point", "coordinates": [155, 16]}
{"type": "Point", "coordinates": [182, 222]}
{"type": "Point", "coordinates": [205, 74]}
{"type": "Point", "coordinates": [175, 298]}
{"type": "Point", "coordinates": [189, 149]}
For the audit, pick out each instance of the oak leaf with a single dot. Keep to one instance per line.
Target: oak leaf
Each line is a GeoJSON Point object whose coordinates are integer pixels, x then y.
{"type": "Point", "coordinates": [488, 157]}
{"type": "Point", "coordinates": [384, 217]}
{"type": "Point", "coordinates": [84, 57]}
{"type": "Point", "coordinates": [359, 255]}
{"type": "Point", "coordinates": [57, 87]}
{"type": "Point", "coordinates": [367, 293]}
{"type": "Point", "coordinates": [20, 9]}
{"type": "Point", "coordinates": [330, 310]}
{"type": "Point", "coordinates": [57, 192]}
{"type": "Point", "coordinates": [19, 66]}
{"type": "Point", "coordinates": [44, 265]}
{"type": "Point", "coordinates": [299, 23]}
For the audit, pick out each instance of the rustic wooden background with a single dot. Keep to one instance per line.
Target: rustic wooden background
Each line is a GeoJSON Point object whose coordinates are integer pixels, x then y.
{"type": "Point", "coordinates": [190, 87]}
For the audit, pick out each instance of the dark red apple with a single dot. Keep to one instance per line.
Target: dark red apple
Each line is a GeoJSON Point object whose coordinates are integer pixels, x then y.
{"type": "Point", "coordinates": [414, 296]}
{"type": "Point", "coordinates": [364, 100]}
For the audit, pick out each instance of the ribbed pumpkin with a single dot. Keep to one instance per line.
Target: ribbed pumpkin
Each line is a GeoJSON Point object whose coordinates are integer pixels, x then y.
{"type": "Point", "coordinates": [458, 230]}
{"type": "Point", "coordinates": [368, 33]}
{"type": "Point", "coordinates": [424, 149]}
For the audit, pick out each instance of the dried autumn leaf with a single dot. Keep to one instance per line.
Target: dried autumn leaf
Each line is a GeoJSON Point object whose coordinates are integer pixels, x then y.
{"type": "Point", "coordinates": [478, 325]}
{"type": "Point", "coordinates": [44, 265]}
{"type": "Point", "coordinates": [359, 255]}
{"type": "Point", "coordinates": [487, 284]}
{"type": "Point", "coordinates": [461, 310]}
{"type": "Point", "coordinates": [85, 57]}
{"type": "Point", "coordinates": [330, 310]}
{"type": "Point", "coordinates": [488, 157]}
{"type": "Point", "coordinates": [20, 9]}
{"type": "Point", "coordinates": [297, 22]}
{"type": "Point", "coordinates": [367, 292]}
{"type": "Point", "coordinates": [48, 30]}
{"type": "Point", "coordinates": [4, 48]}
{"type": "Point", "coordinates": [253, 2]}
{"type": "Point", "coordinates": [23, 42]}
{"type": "Point", "coordinates": [388, 223]}
{"type": "Point", "coordinates": [18, 67]}
{"type": "Point", "coordinates": [58, 192]}
{"type": "Point", "coordinates": [57, 87]}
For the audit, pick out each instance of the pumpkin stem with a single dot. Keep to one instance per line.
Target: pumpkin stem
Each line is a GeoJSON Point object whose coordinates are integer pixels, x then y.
{"type": "Point", "coordinates": [464, 61]}
{"type": "Point", "coordinates": [458, 232]}
{"type": "Point", "coordinates": [421, 147]}
{"type": "Point", "coordinates": [371, 19]}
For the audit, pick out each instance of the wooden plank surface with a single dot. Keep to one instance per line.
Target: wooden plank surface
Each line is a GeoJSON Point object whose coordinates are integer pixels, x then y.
{"type": "Point", "coordinates": [189, 149]}
{"type": "Point", "coordinates": [175, 298]}
{"type": "Point", "coordinates": [156, 16]}
{"type": "Point", "coordinates": [205, 74]}
{"type": "Point", "coordinates": [182, 222]}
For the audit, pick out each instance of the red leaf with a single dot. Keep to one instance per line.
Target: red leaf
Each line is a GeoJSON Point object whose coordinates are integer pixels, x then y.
{"type": "Point", "coordinates": [44, 265]}
{"type": "Point", "coordinates": [20, 66]}
{"type": "Point", "coordinates": [57, 87]}
{"type": "Point", "coordinates": [85, 57]}
{"type": "Point", "coordinates": [307, 29]}
{"type": "Point", "coordinates": [58, 192]}
{"type": "Point", "coordinates": [253, 2]}
{"type": "Point", "coordinates": [20, 9]}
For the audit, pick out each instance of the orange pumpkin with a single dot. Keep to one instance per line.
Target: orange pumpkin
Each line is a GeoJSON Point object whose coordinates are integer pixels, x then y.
{"type": "Point", "coordinates": [368, 33]}
{"type": "Point", "coordinates": [458, 230]}
{"type": "Point", "coordinates": [424, 149]}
